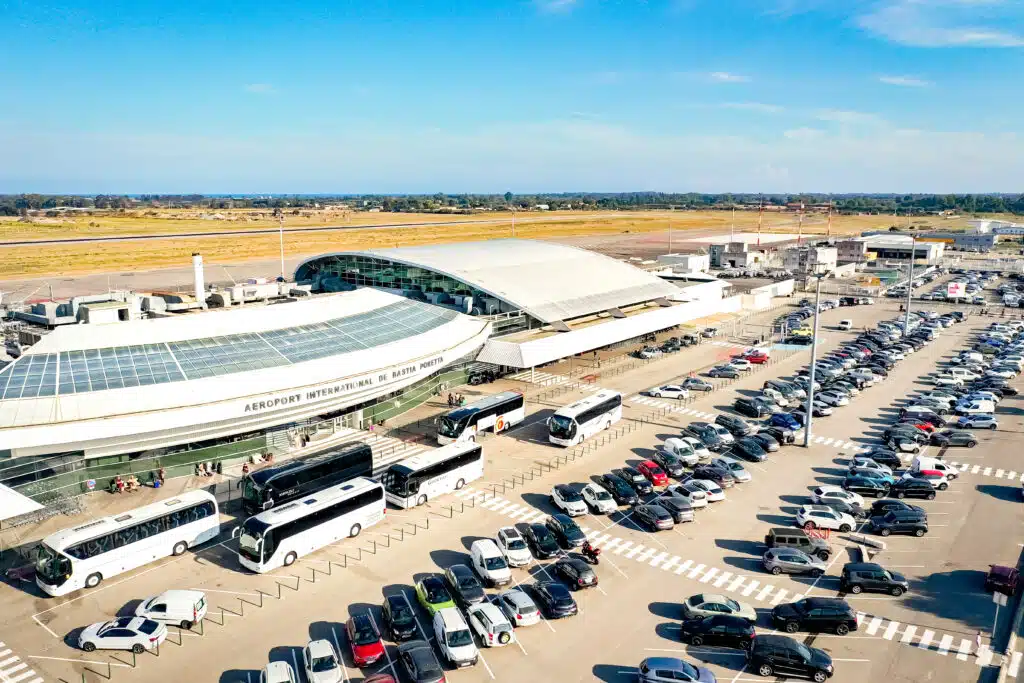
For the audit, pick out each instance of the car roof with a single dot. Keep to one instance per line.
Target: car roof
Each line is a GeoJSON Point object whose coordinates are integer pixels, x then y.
{"type": "Point", "coordinates": [862, 566]}
{"type": "Point", "coordinates": [486, 547]}
{"type": "Point", "coordinates": [460, 569]}
{"type": "Point", "coordinates": [510, 531]}
{"type": "Point", "coordinates": [670, 663]}
{"type": "Point", "coordinates": [320, 648]}
{"type": "Point", "coordinates": [649, 463]}
{"type": "Point", "coordinates": [825, 602]}
{"type": "Point", "coordinates": [452, 618]}
{"type": "Point", "coordinates": [518, 596]}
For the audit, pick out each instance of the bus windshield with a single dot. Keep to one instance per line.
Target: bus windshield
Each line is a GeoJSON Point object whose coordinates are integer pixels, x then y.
{"type": "Point", "coordinates": [51, 565]}
{"type": "Point", "coordinates": [251, 538]}
{"type": "Point", "coordinates": [451, 428]}
{"type": "Point", "coordinates": [250, 491]}
{"type": "Point", "coordinates": [562, 427]}
{"type": "Point", "coordinates": [396, 483]}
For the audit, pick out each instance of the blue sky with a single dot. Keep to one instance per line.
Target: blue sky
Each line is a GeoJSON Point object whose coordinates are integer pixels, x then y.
{"type": "Point", "coordinates": [520, 95]}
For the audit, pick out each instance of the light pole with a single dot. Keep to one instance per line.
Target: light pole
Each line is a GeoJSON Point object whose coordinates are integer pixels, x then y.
{"type": "Point", "coordinates": [809, 415]}
{"type": "Point", "coordinates": [910, 285]}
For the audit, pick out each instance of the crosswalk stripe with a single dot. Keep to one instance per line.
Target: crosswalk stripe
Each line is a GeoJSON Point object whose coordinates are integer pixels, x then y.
{"type": "Point", "coordinates": [763, 593]}
{"type": "Point", "coordinates": [964, 467]}
{"type": "Point", "coordinates": [696, 570]}
{"type": "Point", "coordinates": [670, 562]}
{"type": "Point", "coordinates": [9, 673]}
{"type": "Point", "coordinates": [1014, 667]}
{"type": "Point", "coordinates": [999, 474]}
{"type": "Point", "coordinates": [964, 650]}
{"type": "Point", "coordinates": [750, 588]}
{"type": "Point", "coordinates": [646, 555]}
{"type": "Point", "coordinates": [984, 656]}
{"type": "Point", "coordinates": [624, 547]}
{"type": "Point", "coordinates": [779, 597]}
{"type": "Point", "coordinates": [859, 617]}
{"type": "Point", "coordinates": [21, 677]}
{"type": "Point", "coordinates": [736, 583]}
{"type": "Point", "coordinates": [9, 660]}
{"type": "Point", "coordinates": [828, 441]}
{"type": "Point", "coordinates": [819, 439]}
{"type": "Point", "coordinates": [872, 628]}
{"type": "Point", "coordinates": [709, 574]}
{"type": "Point", "coordinates": [610, 544]}
{"type": "Point", "coordinates": [926, 639]}
{"type": "Point", "coordinates": [975, 469]}
{"type": "Point", "coordinates": [658, 559]}
{"type": "Point", "coordinates": [891, 629]}
{"type": "Point", "coordinates": [683, 567]}
{"type": "Point", "coordinates": [945, 643]}
{"type": "Point", "coordinates": [988, 471]}
{"type": "Point", "coordinates": [512, 511]}
{"type": "Point", "coordinates": [633, 551]}
{"type": "Point", "coordinates": [908, 635]}
{"type": "Point", "coordinates": [1011, 475]}
{"type": "Point", "coordinates": [722, 579]}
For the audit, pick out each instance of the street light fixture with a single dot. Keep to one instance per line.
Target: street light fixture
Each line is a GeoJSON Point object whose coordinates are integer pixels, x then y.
{"type": "Point", "coordinates": [809, 415]}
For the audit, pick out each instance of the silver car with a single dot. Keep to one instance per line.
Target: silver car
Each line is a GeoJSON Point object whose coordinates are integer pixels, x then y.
{"type": "Point", "coordinates": [792, 561]}
{"type": "Point", "coordinates": [519, 607]}
{"type": "Point", "coordinates": [733, 467]}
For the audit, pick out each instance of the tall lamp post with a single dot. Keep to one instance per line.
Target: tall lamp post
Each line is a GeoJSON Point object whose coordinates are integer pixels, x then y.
{"type": "Point", "coordinates": [910, 285]}
{"type": "Point", "coordinates": [819, 275]}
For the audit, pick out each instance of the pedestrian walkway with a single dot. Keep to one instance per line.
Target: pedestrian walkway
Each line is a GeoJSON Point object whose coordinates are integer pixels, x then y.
{"type": "Point", "coordinates": [544, 379]}
{"type": "Point", "coordinates": [14, 670]}
{"type": "Point", "coordinates": [982, 470]}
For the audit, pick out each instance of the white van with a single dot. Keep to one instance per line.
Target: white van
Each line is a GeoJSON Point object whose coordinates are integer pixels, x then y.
{"type": "Point", "coordinates": [454, 638]}
{"type": "Point", "coordinates": [182, 608]}
{"type": "Point", "coordinates": [489, 563]}
{"type": "Point", "coordinates": [682, 450]}
{"type": "Point", "coordinates": [845, 324]}
{"type": "Point", "coordinates": [975, 407]}
{"type": "Point", "coordinates": [924, 462]}
{"type": "Point", "coordinates": [963, 373]}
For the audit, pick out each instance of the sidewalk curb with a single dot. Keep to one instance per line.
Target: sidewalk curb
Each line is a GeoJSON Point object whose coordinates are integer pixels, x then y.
{"type": "Point", "coordinates": [1011, 644]}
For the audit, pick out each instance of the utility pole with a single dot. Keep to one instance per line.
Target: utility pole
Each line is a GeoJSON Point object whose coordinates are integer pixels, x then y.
{"type": "Point", "coordinates": [828, 230]}
{"type": "Point", "coordinates": [513, 222]}
{"type": "Point", "coordinates": [760, 218]}
{"type": "Point", "coordinates": [280, 223]}
{"type": "Point", "coordinates": [814, 357]}
{"type": "Point", "coordinates": [670, 237]}
{"type": "Point", "coordinates": [910, 285]}
{"type": "Point", "coordinates": [800, 225]}
{"type": "Point", "coordinates": [732, 226]}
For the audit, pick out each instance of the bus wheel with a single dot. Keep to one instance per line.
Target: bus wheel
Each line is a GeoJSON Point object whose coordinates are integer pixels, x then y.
{"type": "Point", "coordinates": [179, 548]}
{"type": "Point", "coordinates": [422, 500]}
{"type": "Point", "coordinates": [354, 531]}
{"type": "Point", "coordinates": [289, 559]}
{"type": "Point", "coordinates": [459, 484]}
{"type": "Point", "coordinates": [93, 580]}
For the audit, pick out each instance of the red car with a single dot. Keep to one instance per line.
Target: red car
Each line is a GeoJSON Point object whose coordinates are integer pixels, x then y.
{"type": "Point", "coordinates": [653, 472]}
{"type": "Point", "coordinates": [925, 427]}
{"type": "Point", "coordinates": [757, 358]}
{"type": "Point", "coordinates": [364, 639]}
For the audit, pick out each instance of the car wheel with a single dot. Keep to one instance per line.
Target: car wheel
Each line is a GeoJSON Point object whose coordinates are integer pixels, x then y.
{"type": "Point", "coordinates": [879, 494]}
{"type": "Point", "coordinates": [696, 641]}
{"type": "Point", "coordinates": [776, 571]}
{"type": "Point", "coordinates": [289, 559]}
{"type": "Point", "coordinates": [808, 525]}
{"type": "Point", "coordinates": [820, 677]}
{"type": "Point", "coordinates": [919, 532]}
{"type": "Point", "coordinates": [89, 647]}
{"type": "Point", "coordinates": [354, 531]}
{"type": "Point", "coordinates": [992, 427]}
{"type": "Point", "coordinates": [842, 630]}
{"type": "Point", "coordinates": [895, 591]}
{"type": "Point", "coordinates": [792, 627]}
{"type": "Point", "coordinates": [856, 589]}
{"type": "Point", "coordinates": [815, 573]}
{"type": "Point", "coordinates": [843, 528]}
{"type": "Point", "coordinates": [901, 494]}
{"type": "Point", "coordinates": [179, 548]}
{"type": "Point", "coordinates": [885, 532]}
{"type": "Point", "coordinates": [972, 444]}
{"type": "Point", "coordinates": [138, 649]}
{"type": "Point", "coordinates": [93, 580]}
{"type": "Point", "coordinates": [459, 484]}
{"type": "Point", "coordinates": [422, 500]}
{"type": "Point", "coordinates": [943, 486]}
{"type": "Point", "coordinates": [765, 670]}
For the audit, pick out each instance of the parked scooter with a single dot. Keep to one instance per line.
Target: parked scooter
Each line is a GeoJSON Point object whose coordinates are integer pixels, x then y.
{"type": "Point", "coordinates": [591, 553]}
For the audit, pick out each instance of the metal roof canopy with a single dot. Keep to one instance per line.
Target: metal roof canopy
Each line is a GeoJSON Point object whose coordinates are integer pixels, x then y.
{"type": "Point", "coordinates": [547, 280]}
{"type": "Point", "coordinates": [13, 504]}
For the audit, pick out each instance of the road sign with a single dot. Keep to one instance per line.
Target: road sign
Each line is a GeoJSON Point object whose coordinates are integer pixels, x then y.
{"type": "Point", "coordinates": [956, 290]}
{"type": "Point", "coordinates": [1000, 599]}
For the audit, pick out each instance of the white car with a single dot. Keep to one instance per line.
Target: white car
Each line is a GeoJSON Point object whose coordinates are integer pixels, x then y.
{"type": "Point", "coordinates": [568, 500]}
{"type": "Point", "coordinates": [513, 546]}
{"type": "Point", "coordinates": [321, 662]}
{"type": "Point", "coordinates": [699, 449]}
{"type": "Point", "coordinates": [935, 396]}
{"type": "Point", "coordinates": [724, 434]}
{"type": "Point", "coordinates": [1000, 373]}
{"type": "Point", "coordinates": [183, 608]}
{"type": "Point", "coordinates": [454, 639]}
{"type": "Point", "coordinates": [491, 625]}
{"type": "Point", "coordinates": [832, 398]}
{"type": "Point", "coordinates": [741, 364]}
{"type": "Point", "coordinates": [712, 490]}
{"type": "Point", "coordinates": [846, 324]}
{"type": "Point", "coordinates": [696, 495]}
{"type": "Point", "coordinates": [977, 422]}
{"type": "Point", "coordinates": [948, 381]}
{"type": "Point", "coordinates": [824, 517]}
{"type": "Point", "coordinates": [599, 500]}
{"type": "Point", "coordinates": [278, 672]}
{"type": "Point", "coordinates": [828, 492]}
{"type": "Point", "coordinates": [669, 391]}
{"type": "Point", "coordinates": [124, 633]}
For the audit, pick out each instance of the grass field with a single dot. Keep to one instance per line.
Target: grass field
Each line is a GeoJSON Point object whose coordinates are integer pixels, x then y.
{"type": "Point", "coordinates": [51, 260]}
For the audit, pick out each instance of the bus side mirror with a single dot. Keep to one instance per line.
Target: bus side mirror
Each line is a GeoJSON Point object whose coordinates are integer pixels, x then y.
{"type": "Point", "coordinates": [268, 504]}
{"type": "Point", "coordinates": [237, 531]}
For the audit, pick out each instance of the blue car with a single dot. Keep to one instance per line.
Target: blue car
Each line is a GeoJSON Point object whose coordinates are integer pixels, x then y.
{"type": "Point", "coordinates": [888, 479]}
{"type": "Point", "coordinates": [784, 420]}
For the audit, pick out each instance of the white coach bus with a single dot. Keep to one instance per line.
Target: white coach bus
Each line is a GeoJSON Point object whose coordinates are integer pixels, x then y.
{"type": "Point", "coordinates": [500, 412]}
{"type": "Point", "coordinates": [283, 534]}
{"type": "Point", "coordinates": [584, 418]}
{"type": "Point", "coordinates": [423, 477]}
{"type": "Point", "coordinates": [81, 557]}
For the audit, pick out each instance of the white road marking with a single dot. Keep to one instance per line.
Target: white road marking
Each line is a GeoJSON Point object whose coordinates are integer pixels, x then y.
{"type": "Point", "coordinates": [779, 597]}
{"type": "Point", "coordinates": [722, 578]}
{"type": "Point", "coordinates": [622, 548]}
{"type": "Point", "coordinates": [736, 583]}
{"type": "Point", "coordinates": [945, 643]}
{"type": "Point", "coordinates": [696, 570]}
{"type": "Point", "coordinates": [891, 629]}
{"type": "Point", "coordinates": [683, 567]}
{"type": "Point", "coordinates": [709, 574]}
{"type": "Point", "coordinates": [672, 562]}
{"type": "Point", "coordinates": [657, 560]}
{"type": "Point", "coordinates": [964, 650]}
{"type": "Point", "coordinates": [764, 592]}
{"type": "Point", "coordinates": [926, 639]}
{"type": "Point", "coordinates": [873, 626]}
{"type": "Point", "coordinates": [750, 588]}
{"type": "Point", "coordinates": [1014, 667]}
{"type": "Point", "coordinates": [988, 471]}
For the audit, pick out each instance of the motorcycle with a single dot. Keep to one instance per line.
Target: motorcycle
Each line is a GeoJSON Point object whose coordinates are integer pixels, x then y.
{"type": "Point", "coordinates": [591, 553]}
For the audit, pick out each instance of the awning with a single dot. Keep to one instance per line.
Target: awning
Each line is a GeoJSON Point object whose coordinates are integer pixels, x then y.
{"type": "Point", "coordinates": [13, 504]}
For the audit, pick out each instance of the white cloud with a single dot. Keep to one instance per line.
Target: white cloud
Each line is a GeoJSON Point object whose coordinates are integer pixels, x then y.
{"type": "Point", "coordinates": [760, 107]}
{"type": "Point", "coordinates": [804, 134]}
{"type": "Point", "coordinates": [726, 77]}
{"type": "Point", "coordinates": [848, 118]}
{"type": "Point", "coordinates": [555, 5]}
{"type": "Point", "coordinates": [259, 88]}
{"type": "Point", "coordinates": [905, 81]}
{"type": "Point", "coordinates": [946, 23]}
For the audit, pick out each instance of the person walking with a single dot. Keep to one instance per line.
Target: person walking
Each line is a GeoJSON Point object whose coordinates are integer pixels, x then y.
{"type": "Point", "coordinates": [977, 645]}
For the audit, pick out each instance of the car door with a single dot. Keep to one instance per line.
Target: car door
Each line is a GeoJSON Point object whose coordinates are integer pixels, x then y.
{"type": "Point", "coordinates": [817, 619]}
{"type": "Point", "coordinates": [119, 639]}
{"type": "Point", "coordinates": [717, 634]}
{"type": "Point", "coordinates": [794, 563]}
{"type": "Point", "coordinates": [875, 581]}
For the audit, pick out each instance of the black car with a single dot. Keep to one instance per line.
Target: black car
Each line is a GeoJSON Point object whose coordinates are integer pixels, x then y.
{"type": "Point", "coordinates": [706, 434]}
{"type": "Point", "coordinates": [852, 509]}
{"type": "Point", "coordinates": [639, 482]}
{"type": "Point", "coordinates": [541, 541]}
{"type": "Point", "coordinates": [907, 431]}
{"type": "Point", "coordinates": [399, 618]}
{"type": "Point", "coordinates": [464, 585]}
{"type": "Point", "coordinates": [774, 655]}
{"type": "Point", "coordinates": [766, 441]}
{"type": "Point", "coordinates": [565, 530]}
{"type": "Point", "coordinates": [554, 600]}
{"type": "Point", "coordinates": [783, 436]}
{"type": "Point", "coordinates": [619, 489]}
{"type": "Point", "coordinates": [576, 573]}
{"type": "Point", "coordinates": [900, 522]}
{"type": "Point", "coordinates": [749, 449]}
{"type": "Point", "coordinates": [884, 456]}
{"type": "Point", "coordinates": [815, 614]}
{"type": "Point", "coordinates": [737, 426]}
{"type": "Point", "coordinates": [653, 517]}
{"type": "Point", "coordinates": [866, 486]}
{"type": "Point", "coordinates": [751, 407]}
{"type": "Point", "coordinates": [880, 507]}
{"type": "Point", "coordinates": [860, 577]}
{"type": "Point", "coordinates": [670, 463]}
{"type": "Point", "coordinates": [420, 663]}
{"type": "Point", "coordinates": [912, 487]}
{"type": "Point", "coordinates": [677, 506]}
{"type": "Point", "coordinates": [721, 630]}
{"type": "Point", "coordinates": [949, 437]}
{"type": "Point", "coordinates": [929, 416]}
{"type": "Point", "coordinates": [712, 473]}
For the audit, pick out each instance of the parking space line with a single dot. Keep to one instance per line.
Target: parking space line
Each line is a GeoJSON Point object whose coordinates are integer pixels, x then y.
{"type": "Point", "coordinates": [391, 665]}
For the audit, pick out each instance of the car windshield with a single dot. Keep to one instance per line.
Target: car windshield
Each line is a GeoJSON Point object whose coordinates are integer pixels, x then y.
{"type": "Point", "coordinates": [546, 540]}
{"type": "Point", "coordinates": [493, 563]}
{"type": "Point", "coordinates": [320, 664]}
{"type": "Point", "coordinates": [571, 530]}
{"type": "Point", "coordinates": [570, 495]}
{"type": "Point", "coordinates": [468, 582]}
{"type": "Point", "coordinates": [732, 604]}
{"type": "Point", "coordinates": [515, 544]}
{"type": "Point", "coordinates": [364, 634]}
{"type": "Point", "coordinates": [460, 638]}
{"type": "Point", "coordinates": [401, 615]}
{"type": "Point", "coordinates": [437, 593]}
{"type": "Point", "coordinates": [602, 495]}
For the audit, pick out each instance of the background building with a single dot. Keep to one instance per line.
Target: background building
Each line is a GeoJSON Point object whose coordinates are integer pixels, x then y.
{"type": "Point", "coordinates": [888, 246]}
{"type": "Point", "coordinates": [809, 258]}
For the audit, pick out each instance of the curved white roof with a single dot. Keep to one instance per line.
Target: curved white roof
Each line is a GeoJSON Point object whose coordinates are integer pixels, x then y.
{"type": "Point", "coordinates": [550, 281]}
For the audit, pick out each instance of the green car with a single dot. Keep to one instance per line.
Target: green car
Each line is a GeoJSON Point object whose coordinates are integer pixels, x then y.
{"type": "Point", "coordinates": [433, 594]}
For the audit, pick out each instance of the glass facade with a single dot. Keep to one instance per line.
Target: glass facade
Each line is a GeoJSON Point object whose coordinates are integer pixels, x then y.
{"type": "Point", "coordinates": [129, 366]}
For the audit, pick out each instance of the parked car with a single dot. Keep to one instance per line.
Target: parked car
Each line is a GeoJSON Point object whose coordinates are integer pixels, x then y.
{"type": "Point", "coordinates": [568, 500]}
{"type": "Point", "coordinates": [720, 630]}
{"type": "Point", "coordinates": [792, 561]}
{"type": "Point", "coordinates": [736, 426]}
{"type": "Point", "coordinates": [678, 506]}
{"type": "Point", "coordinates": [653, 517]}
{"type": "Point", "coordinates": [910, 522]}
{"type": "Point", "coordinates": [913, 487]}
{"type": "Point", "coordinates": [858, 577]}
{"type": "Point", "coordinates": [576, 573]}
{"type": "Point", "coordinates": [778, 655]}
{"type": "Point", "coordinates": [123, 633]}
{"type": "Point", "coordinates": [364, 640]}
{"type": "Point", "coordinates": [978, 422]}
{"type": "Point", "coordinates": [653, 472]}
{"type": "Point", "coordinates": [541, 541]}
{"type": "Point", "coordinates": [1002, 579]}
{"type": "Point", "coordinates": [749, 449]}
{"type": "Point", "coordinates": [949, 437]}
{"type": "Point", "coordinates": [464, 585]}
{"type": "Point", "coordinates": [620, 490]}
{"type": "Point", "coordinates": [710, 604]}
{"type": "Point", "coordinates": [865, 485]}
{"type": "Point", "coordinates": [599, 500]}
{"type": "Point", "coordinates": [321, 662]}
{"type": "Point", "coordinates": [491, 625]}
{"type": "Point", "coordinates": [419, 662]}
{"type": "Point", "coordinates": [566, 531]}
{"type": "Point", "coordinates": [513, 546]}
{"type": "Point", "coordinates": [822, 494]}
{"type": "Point", "coordinates": [554, 600]}
{"type": "Point", "coordinates": [766, 441]}
{"type": "Point", "coordinates": [669, 669]}
{"type": "Point", "coordinates": [824, 517]}
{"type": "Point", "coordinates": [667, 459]}
{"type": "Point", "coordinates": [519, 607]}
{"type": "Point", "coordinates": [726, 371]}
{"type": "Point", "coordinates": [815, 615]}
{"type": "Point", "coordinates": [433, 594]}
{"type": "Point", "coordinates": [399, 618]}
{"type": "Point", "coordinates": [697, 384]}
{"type": "Point", "coordinates": [183, 608]}
{"type": "Point", "coordinates": [635, 479]}
{"type": "Point", "coordinates": [669, 391]}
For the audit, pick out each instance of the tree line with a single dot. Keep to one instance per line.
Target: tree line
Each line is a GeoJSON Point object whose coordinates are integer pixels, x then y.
{"type": "Point", "coordinates": [902, 204]}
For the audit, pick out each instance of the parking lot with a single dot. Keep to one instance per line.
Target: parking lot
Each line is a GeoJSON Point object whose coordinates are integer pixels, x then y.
{"type": "Point", "coordinates": [927, 633]}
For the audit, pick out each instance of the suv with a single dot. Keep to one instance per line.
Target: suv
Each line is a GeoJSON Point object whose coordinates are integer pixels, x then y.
{"type": "Point", "coordinates": [773, 655]}
{"type": "Point", "coordinates": [454, 639]}
{"type": "Point", "coordinates": [901, 522]}
{"type": "Point", "coordinates": [751, 407]}
{"type": "Point", "coordinates": [781, 537]}
{"type": "Point", "coordinates": [824, 517]}
{"type": "Point", "coordinates": [568, 500]}
{"type": "Point", "coordinates": [815, 614]}
{"type": "Point", "coordinates": [858, 577]}
{"type": "Point", "coordinates": [737, 426]}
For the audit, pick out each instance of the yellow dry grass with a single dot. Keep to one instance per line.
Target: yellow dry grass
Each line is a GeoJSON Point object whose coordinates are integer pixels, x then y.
{"type": "Point", "coordinates": [50, 260]}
